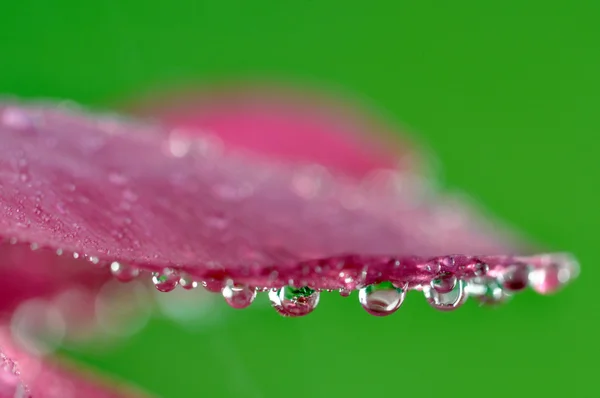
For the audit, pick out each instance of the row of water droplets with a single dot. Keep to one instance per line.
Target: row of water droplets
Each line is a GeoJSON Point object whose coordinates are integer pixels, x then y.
{"type": "Point", "coordinates": [445, 291]}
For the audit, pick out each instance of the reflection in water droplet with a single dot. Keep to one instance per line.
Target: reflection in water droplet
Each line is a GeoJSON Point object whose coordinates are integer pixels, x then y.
{"type": "Point", "coordinates": [443, 282]}
{"type": "Point", "coordinates": [38, 326]}
{"type": "Point", "coordinates": [238, 296]}
{"type": "Point", "coordinates": [516, 277]}
{"type": "Point", "coordinates": [290, 301]}
{"type": "Point", "coordinates": [382, 299]}
{"type": "Point", "coordinates": [487, 290]}
{"type": "Point", "coordinates": [187, 282]}
{"type": "Point", "coordinates": [166, 280]}
{"type": "Point", "coordinates": [124, 272]}
{"type": "Point", "coordinates": [446, 301]}
{"type": "Point", "coordinates": [213, 285]}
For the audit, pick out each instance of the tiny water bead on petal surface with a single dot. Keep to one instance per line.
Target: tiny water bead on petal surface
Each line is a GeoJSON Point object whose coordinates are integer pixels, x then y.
{"type": "Point", "coordinates": [382, 299]}
{"type": "Point", "coordinates": [291, 301]}
{"type": "Point", "coordinates": [238, 296]}
{"type": "Point", "coordinates": [166, 280]}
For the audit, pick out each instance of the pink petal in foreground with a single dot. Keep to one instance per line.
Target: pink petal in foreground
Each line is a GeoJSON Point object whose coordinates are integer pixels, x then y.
{"type": "Point", "coordinates": [136, 196]}
{"type": "Point", "coordinates": [24, 376]}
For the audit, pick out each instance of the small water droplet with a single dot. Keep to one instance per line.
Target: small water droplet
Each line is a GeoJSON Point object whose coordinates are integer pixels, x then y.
{"type": "Point", "coordinates": [443, 282]}
{"type": "Point", "coordinates": [486, 290]}
{"type": "Point", "coordinates": [446, 301]}
{"type": "Point", "coordinates": [124, 272]}
{"type": "Point", "coordinates": [343, 292]}
{"type": "Point", "coordinates": [290, 301]}
{"type": "Point", "coordinates": [382, 299]}
{"type": "Point", "coordinates": [238, 296]}
{"type": "Point", "coordinates": [515, 277]}
{"type": "Point", "coordinates": [187, 282]}
{"type": "Point", "coordinates": [166, 280]}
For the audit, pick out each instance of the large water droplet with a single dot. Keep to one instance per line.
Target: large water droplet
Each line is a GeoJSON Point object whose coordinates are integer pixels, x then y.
{"type": "Point", "coordinates": [515, 277]}
{"type": "Point", "coordinates": [487, 291]}
{"type": "Point", "coordinates": [382, 299]}
{"type": "Point", "coordinates": [124, 272]}
{"type": "Point", "coordinates": [446, 301]}
{"type": "Point", "coordinates": [166, 280]}
{"type": "Point", "coordinates": [238, 296]}
{"type": "Point", "coordinates": [443, 282]}
{"type": "Point", "coordinates": [290, 301]}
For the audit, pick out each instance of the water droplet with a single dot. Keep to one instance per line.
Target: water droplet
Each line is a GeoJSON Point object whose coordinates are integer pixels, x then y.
{"type": "Point", "coordinates": [516, 277]}
{"type": "Point", "coordinates": [443, 282]}
{"type": "Point", "coordinates": [290, 301]}
{"type": "Point", "coordinates": [382, 299]}
{"type": "Point", "coordinates": [166, 280]}
{"type": "Point", "coordinates": [344, 292]}
{"type": "Point", "coordinates": [213, 285]}
{"type": "Point", "coordinates": [480, 269]}
{"type": "Point", "coordinates": [487, 291]}
{"type": "Point", "coordinates": [124, 272]}
{"type": "Point", "coordinates": [238, 296]}
{"type": "Point", "coordinates": [446, 301]}
{"type": "Point", "coordinates": [187, 282]}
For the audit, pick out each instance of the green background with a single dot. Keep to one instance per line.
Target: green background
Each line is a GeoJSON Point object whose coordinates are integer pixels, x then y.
{"type": "Point", "coordinates": [505, 93]}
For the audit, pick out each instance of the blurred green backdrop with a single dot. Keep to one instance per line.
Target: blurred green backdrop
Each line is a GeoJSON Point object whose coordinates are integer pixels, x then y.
{"type": "Point", "coordinates": [506, 93]}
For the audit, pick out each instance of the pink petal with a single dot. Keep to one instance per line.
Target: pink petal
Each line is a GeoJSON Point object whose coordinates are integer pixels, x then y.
{"type": "Point", "coordinates": [22, 375]}
{"type": "Point", "coordinates": [285, 124]}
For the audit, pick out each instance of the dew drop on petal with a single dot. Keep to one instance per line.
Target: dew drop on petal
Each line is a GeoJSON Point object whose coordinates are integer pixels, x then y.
{"type": "Point", "coordinates": [290, 301]}
{"type": "Point", "coordinates": [187, 282]}
{"type": "Point", "coordinates": [213, 285]}
{"type": "Point", "coordinates": [238, 296]}
{"type": "Point", "coordinates": [446, 301]}
{"type": "Point", "coordinates": [124, 272]}
{"type": "Point", "coordinates": [166, 280]}
{"type": "Point", "coordinates": [382, 299]}
{"type": "Point", "coordinates": [516, 277]}
{"type": "Point", "coordinates": [443, 282]}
